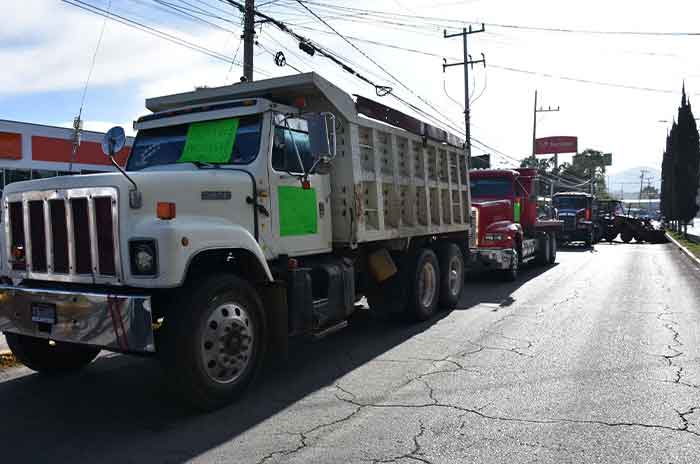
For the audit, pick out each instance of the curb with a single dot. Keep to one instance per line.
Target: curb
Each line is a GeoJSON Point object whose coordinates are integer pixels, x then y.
{"type": "Point", "coordinates": [690, 255]}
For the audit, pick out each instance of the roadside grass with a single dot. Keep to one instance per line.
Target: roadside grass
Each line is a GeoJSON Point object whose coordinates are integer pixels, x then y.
{"type": "Point", "coordinates": [8, 360]}
{"type": "Point", "coordinates": [693, 246]}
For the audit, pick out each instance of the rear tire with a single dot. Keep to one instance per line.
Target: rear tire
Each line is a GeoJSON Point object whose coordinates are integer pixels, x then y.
{"type": "Point", "coordinates": [424, 291]}
{"type": "Point", "coordinates": [40, 356]}
{"type": "Point", "coordinates": [626, 236]}
{"type": "Point", "coordinates": [214, 344]}
{"type": "Point", "coordinates": [452, 272]}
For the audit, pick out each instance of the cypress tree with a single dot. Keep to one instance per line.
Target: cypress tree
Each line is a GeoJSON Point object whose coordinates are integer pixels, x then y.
{"type": "Point", "coordinates": [666, 180]}
{"type": "Point", "coordinates": [686, 156]}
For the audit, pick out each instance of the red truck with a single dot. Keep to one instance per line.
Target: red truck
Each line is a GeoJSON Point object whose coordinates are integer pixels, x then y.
{"type": "Point", "coordinates": [515, 224]}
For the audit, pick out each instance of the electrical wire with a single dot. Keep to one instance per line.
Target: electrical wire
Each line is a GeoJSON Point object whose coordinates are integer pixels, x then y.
{"type": "Point", "coordinates": [461, 23]}
{"type": "Point", "coordinates": [233, 60]}
{"type": "Point", "coordinates": [387, 72]}
{"type": "Point", "coordinates": [92, 63]}
{"type": "Point", "coordinates": [154, 31]}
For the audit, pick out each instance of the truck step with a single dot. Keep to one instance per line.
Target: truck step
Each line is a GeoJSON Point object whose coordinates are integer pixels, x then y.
{"type": "Point", "coordinates": [323, 333]}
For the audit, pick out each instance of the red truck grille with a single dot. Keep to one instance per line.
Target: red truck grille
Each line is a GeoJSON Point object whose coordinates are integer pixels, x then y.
{"type": "Point", "coordinates": [67, 235]}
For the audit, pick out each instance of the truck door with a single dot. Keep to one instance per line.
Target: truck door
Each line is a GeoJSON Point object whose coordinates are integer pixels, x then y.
{"type": "Point", "coordinates": [301, 216]}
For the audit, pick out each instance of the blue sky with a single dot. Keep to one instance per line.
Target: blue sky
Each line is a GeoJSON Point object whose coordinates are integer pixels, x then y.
{"type": "Point", "coordinates": [47, 45]}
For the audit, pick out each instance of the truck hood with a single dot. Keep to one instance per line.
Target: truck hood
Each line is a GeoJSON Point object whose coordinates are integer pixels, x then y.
{"type": "Point", "coordinates": [189, 189]}
{"type": "Point", "coordinates": [494, 215]}
{"type": "Point", "coordinates": [209, 204]}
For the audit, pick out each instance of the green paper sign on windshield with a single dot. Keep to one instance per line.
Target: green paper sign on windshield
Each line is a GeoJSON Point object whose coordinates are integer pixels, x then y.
{"type": "Point", "coordinates": [210, 141]}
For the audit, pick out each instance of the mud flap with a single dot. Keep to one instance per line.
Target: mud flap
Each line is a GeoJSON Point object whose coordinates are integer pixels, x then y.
{"type": "Point", "coordinates": [274, 299]}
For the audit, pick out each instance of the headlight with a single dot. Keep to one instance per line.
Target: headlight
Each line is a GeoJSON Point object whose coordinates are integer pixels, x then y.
{"type": "Point", "coordinates": [494, 237]}
{"type": "Point", "coordinates": [144, 258]}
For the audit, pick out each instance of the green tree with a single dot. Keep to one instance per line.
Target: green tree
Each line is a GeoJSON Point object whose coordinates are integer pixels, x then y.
{"type": "Point", "coordinates": [587, 165]}
{"type": "Point", "coordinates": [687, 156]}
{"type": "Point", "coordinates": [666, 196]}
{"type": "Point", "coordinates": [681, 166]}
{"type": "Point", "coordinates": [649, 191]}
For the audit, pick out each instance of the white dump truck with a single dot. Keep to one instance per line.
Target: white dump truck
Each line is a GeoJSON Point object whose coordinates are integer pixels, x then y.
{"type": "Point", "coordinates": [245, 215]}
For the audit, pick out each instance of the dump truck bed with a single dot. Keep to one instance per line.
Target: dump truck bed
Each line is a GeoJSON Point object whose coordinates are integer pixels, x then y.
{"type": "Point", "coordinates": [393, 177]}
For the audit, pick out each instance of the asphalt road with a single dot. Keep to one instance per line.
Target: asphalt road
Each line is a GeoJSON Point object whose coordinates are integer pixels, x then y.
{"type": "Point", "coordinates": [596, 359]}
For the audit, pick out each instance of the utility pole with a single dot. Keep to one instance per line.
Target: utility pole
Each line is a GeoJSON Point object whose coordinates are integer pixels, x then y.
{"type": "Point", "coordinates": [466, 63]}
{"type": "Point", "coordinates": [248, 40]}
{"type": "Point", "coordinates": [549, 109]}
{"type": "Point", "coordinates": [642, 174]}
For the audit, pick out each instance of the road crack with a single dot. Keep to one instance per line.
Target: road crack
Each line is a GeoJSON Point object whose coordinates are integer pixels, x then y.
{"type": "Point", "coordinates": [415, 454]}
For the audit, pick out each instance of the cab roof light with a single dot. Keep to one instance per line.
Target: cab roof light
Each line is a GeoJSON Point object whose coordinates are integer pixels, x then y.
{"type": "Point", "coordinates": [165, 210]}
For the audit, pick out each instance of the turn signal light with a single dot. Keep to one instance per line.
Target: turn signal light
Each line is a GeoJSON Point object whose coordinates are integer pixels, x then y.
{"type": "Point", "coordinates": [165, 210]}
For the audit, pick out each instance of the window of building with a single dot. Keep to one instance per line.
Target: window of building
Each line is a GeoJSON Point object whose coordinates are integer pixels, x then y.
{"type": "Point", "coordinates": [42, 174]}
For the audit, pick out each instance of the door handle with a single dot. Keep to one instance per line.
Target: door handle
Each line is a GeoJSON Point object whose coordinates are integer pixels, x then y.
{"type": "Point", "coordinates": [258, 207]}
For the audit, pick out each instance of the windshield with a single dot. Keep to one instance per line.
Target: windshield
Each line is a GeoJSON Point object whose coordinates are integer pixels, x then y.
{"type": "Point", "coordinates": [491, 187]}
{"type": "Point", "coordinates": [569, 202]}
{"type": "Point", "coordinates": [223, 141]}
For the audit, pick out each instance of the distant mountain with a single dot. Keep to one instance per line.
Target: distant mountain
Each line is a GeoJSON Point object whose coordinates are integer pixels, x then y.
{"type": "Point", "coordinates": [627, 181]}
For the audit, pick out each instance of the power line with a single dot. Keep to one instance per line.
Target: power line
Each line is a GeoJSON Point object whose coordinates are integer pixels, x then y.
{"type": "Point", "coordinates": [152, 31]}
{"type": "Point", "coordinates": [461, 23]}
{"type": "Point", "coordinates": [387, 72]}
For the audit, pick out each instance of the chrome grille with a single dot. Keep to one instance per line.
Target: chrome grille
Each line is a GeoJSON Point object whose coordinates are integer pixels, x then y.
{"type": "Point", "coordinates": [66, 235]}
{"type": "Point", "coordinates": [474, 227]}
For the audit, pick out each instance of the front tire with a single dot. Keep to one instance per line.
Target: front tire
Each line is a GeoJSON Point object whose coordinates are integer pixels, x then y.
{"type": "Point", "coordinates": [214, 344]}
{"type": "Point", "coordinates": [511, 274]}
{"type": "Point", "coordinates": [553, 249]}
{"type": "Point", "coordinates": [41, 356]}
{"type": "Point", "coordinates": [452, 272]}
{"type": "Point", "coordinates": [544, 251]}
{"type": "Point", "coordinates": [425, 286]}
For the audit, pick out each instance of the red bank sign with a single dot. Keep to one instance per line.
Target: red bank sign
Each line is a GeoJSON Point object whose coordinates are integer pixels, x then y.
{"type": "Point", "coordinates": [561, 144]}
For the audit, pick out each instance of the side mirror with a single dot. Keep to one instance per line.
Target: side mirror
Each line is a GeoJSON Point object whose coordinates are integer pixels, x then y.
{"type": "Point", "coordinates": [322, 141]}
{"type": "Point", "coordinates": [113, 141]}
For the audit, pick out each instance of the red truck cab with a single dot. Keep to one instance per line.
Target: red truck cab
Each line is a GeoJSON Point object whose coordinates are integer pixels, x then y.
{"type": "Point", "coordinates": [515, 224]}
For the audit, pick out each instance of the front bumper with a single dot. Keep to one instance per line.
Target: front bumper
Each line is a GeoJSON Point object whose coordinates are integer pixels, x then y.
{"type": "Point", "coordinates": [114, 322]}
{"type": "Point", "coordinates": [495, 258]}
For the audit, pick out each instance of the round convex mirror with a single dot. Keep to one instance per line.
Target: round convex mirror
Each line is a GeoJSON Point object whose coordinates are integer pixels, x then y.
{"type": "Point", "coordinates": [113, 141]}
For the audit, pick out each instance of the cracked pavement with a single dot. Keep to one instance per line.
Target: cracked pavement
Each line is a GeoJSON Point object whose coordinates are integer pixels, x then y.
{"type": "Point", "coordinates": [596, 359]}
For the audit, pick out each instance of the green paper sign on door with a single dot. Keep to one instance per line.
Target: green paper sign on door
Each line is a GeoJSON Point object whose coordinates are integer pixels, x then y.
{"type": "Point", "coordinates": [298, 214]}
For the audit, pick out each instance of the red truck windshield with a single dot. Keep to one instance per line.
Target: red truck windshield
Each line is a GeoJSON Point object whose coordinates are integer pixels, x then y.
{"type": "Point", "coordinates": [491, 187]}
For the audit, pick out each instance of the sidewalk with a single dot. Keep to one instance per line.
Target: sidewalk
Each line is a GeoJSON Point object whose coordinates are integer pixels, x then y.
{"type": "Point", "coordinates": [695, 228]}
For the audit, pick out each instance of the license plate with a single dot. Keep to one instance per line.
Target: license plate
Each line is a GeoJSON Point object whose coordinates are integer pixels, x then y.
{"type": "Point", "coordinates": [44, 313]}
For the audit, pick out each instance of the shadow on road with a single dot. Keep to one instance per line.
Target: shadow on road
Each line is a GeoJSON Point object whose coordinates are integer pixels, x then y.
{"type": "Point", "coordinates": [116, 410]}
{"type": "Point", "coordinates": [490, 287]}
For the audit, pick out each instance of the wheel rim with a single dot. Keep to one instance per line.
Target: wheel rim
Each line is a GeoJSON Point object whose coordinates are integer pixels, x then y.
{"type": "Point", "coordinates": [227, 342]}
{"type": "Point", "coordinates": [427, 284]}
{"type": "Point", "coordinates": [454, 276]}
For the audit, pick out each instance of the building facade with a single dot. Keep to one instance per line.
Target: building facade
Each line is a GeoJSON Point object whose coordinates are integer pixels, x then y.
{"type": "Point", "coordinates": [35, 151]}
